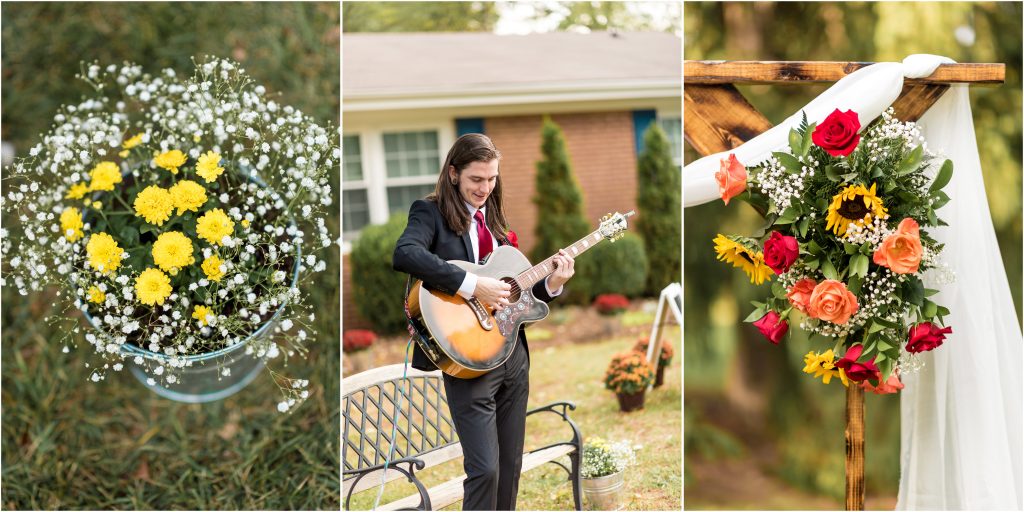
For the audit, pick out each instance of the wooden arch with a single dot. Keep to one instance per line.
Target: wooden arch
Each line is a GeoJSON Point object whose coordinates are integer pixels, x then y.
{"type": "Point", "coordinates": [716, 117]}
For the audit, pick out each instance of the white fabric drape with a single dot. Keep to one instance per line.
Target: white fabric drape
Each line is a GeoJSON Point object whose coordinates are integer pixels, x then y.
{"type": "Point", "coordinates": [961, 414]}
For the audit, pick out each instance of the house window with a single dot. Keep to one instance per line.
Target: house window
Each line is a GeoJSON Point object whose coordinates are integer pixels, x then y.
{"type": "Point", "coordinates": [355, 204]}
{"type": "Point", "coordinates": [384, 171]}
{"type": "Point", "coordinates": [412, 161]}
{"type": "Point", "coordinates": [673, 128]}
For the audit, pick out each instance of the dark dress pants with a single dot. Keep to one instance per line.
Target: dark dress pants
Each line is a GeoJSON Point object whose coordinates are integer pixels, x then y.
{"type": "Point", "coordinates": [490, 418]}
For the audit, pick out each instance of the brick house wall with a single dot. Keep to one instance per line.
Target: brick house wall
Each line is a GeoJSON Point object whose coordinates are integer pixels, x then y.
{"type": "Point", "coordinates": [602, 151]}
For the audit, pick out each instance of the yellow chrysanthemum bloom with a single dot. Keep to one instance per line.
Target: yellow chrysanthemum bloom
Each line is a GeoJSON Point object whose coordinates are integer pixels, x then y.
{"type": "Point", "coordinates": [104, 176]}
{"type": "Point", "coordinates": [152, 287]}
{"type": "Point", "coordinates": [71, 224]}
{"type": "Point", "coordinates": [823, 365]}
{"type": "Point", "coordinates": [188, 196]}
{"type": "Point", "coordinates": [77, 191]}
{"type": "Point", "coordinates": [154, 204]}
{"type": "Point", "coordinates": [103, 252]}
{"type": "Point", "coordinates": [200, 313]}
{"type": "Point", "coordinates": [135, 140]}
{"type": "Point", "coordinates": [209, 166]}
{"type": "Point", "coordinates": [170, 160]}
{"type": "Point", "coordinates": [855, 204]}
{"type": "Point", "coordinates": [214, 225]}
{"type": "Point", "coordinates": [751, 261]}
{"type": "Point", "coordinates": [211, 267]}
{"type": "Point", "coordinates": [172, 251]}
{"type": "Point", "coordinates": [96, 296]}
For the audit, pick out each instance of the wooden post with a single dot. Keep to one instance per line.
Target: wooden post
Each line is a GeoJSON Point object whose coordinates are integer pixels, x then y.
{"type": "Point", "coordinates": [854, 447]}
{"type": "Point", "coordinates": [718, 118]}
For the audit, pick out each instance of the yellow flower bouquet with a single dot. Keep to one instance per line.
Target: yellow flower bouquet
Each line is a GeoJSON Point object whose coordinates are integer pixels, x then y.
{"type": "Point", "coordinates": [181, 215]}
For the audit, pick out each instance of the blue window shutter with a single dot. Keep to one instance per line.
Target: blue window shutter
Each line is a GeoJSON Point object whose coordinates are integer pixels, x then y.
{"type": "Point", "coordinates": [641, 120]}
{"type": "Point", "coordinates": [469, 125]}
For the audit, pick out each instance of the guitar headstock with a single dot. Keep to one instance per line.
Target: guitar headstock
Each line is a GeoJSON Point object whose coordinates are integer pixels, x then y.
{"type": "Point", "coordinates": [613, 225]}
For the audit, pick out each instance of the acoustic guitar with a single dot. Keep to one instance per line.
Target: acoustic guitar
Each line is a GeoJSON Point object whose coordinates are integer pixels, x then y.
{"type": "Point", "coordinates": [466, 338]}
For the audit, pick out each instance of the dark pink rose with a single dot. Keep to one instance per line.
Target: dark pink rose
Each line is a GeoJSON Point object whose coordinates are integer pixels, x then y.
{"type": "Point", "coordinates": [772, 327]}
{"type": "Point", "coordinates": [513, 239]}
{"type": "Point", "coordinates": [855, 371]}
{"type": "Point", "coordinates": [837, 134]}
{"type": "Point", "coordinates": [926, 336]}
{"type": "Point", "coordinates": [780, 251]}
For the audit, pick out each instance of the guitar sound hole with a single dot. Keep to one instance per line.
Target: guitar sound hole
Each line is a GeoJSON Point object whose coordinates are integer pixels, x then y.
{"type": "Point", "coordinates": [514, 297]}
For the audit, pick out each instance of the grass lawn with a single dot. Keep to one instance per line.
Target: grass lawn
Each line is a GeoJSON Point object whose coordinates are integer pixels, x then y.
{"type": "Point", "coordinates": [574, 372]}
{"type": "Point", "coordinates": [73, 444]}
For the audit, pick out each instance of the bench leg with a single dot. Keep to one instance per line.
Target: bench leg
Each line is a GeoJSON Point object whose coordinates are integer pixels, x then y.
{"type": "Point", "coordinates": [574, 476]}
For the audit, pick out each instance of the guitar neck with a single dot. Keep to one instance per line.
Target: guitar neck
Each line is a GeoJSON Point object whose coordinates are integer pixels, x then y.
{"type": "Point", "coordinates": [527, 279]}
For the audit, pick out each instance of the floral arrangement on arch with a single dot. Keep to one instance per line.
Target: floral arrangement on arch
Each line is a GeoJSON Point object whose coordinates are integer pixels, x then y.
{"type": "Point", "coordinates": [603, 458]}
{"type": "Point", "coordinates": [628, 373]}
{"type": "Point", "coordinates": [181, 214]}
{"type": "Point", "coordinates": [846, 245]}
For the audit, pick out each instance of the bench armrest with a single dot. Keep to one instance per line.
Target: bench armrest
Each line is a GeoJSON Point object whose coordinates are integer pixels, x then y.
{"type": "Point", "coordinates": [410, 473]}
{"type": "Point", "coordinates": [562, 409]}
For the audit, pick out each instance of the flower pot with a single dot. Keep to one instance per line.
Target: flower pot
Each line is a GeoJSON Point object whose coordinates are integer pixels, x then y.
{"type": "Point", "coordinates": [203, 378]}
{"type": "Point", "coordinates": [630, 402]}
{"type": "Point", "coordinates": [603, 492]}
{"type": "Point", "coordinates": [659, 377]}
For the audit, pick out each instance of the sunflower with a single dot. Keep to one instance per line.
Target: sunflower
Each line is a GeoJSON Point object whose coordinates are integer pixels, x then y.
{"type": "Point", "coordinates": [855, 204]}
{"type": "Point", "coordinates": [742, 256]}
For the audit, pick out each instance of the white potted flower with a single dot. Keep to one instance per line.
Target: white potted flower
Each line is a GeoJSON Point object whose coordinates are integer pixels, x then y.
{"type": "Point", "coordinates": [181, 215]}
{"type": "Point", "coordinates": [602, 470]}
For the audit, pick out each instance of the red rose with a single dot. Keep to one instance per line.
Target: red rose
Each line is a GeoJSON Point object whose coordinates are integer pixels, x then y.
{"type": "Point", "coordinates": [772, 327]}
{"type": "Point", "coordinates": [858, 372]}
{"type": "Point", "coordinates": [513, 239]}
{"type": "Point", "coordinates": [926, 336]}
{"type": "Point", "coordinates": [780, 251]}
{"type": "Point", "coordinates": [837, 134]}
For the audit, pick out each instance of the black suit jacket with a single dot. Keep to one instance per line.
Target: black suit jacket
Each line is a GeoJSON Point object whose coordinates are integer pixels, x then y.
{"type": "Point", "coordinates": [423, 252]}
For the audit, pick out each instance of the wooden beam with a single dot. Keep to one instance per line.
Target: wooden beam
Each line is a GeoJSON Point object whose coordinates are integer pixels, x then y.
{"type": "Point", "coordinates": [916, 99]}
{"type": "Point", "coordinates": [718, 118]}
{"type": "Point", "coordinates": [778, 72]}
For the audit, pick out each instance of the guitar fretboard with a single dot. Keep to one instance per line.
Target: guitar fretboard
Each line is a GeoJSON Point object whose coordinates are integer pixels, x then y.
{"type": "Point", "coordinates": [527, 279]}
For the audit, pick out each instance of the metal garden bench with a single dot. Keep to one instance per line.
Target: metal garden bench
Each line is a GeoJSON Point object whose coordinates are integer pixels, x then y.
{"type": "Point", "coordinates": [425, 437]}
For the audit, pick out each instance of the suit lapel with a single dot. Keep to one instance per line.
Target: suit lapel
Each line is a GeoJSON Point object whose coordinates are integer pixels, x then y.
{"type": "Point", "coordinates": [470, 257]}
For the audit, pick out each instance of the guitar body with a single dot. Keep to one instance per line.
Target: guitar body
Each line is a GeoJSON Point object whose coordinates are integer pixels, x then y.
{"type": "Point", "coordinates": [464, 338]}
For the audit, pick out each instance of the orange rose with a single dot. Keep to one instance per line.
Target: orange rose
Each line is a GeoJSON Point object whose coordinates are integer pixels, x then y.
{"type": "Point", "coordinates": [731, 178]}
{"type": "Point", "coordinates": [831, 301]}
{"type": "Point", "coordinates": [800, 293]}
{"type": "Point", "coordinates": [901, 251]}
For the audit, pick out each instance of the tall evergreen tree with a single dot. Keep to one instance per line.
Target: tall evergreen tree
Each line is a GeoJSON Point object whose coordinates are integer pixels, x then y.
{"type": "Point", "coordinates": [558, 196]}
{"type": "Point", "coordinates": [658, 202]}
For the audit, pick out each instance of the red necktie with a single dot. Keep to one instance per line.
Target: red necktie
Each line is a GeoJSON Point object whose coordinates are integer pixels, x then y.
{"type": "Point", "coordinates": [485, 242]}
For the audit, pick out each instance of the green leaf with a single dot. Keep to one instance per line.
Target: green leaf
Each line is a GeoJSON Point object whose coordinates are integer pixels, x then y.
{"type": "Point", "coordinates": [859, 265]}
{"type": "Point", "coordinates": [795, 142]}
{"type": "Point", "coordinates": [802, 226]}
{"type": "Point", "coordinates": [832, 174]}
{"type": "Point", "coordinates": [910, 162]}
{"type": "Point", "coordinates": [885, 368]}
{"type": "Point", "coordinates": [828, 269]}
{"type": "Point", "coordinates": [854, 285]}
{"type": "Point", "coordinates": [805, 145]}
{"type": "Point", "coordinates": [881, 355]}
{"type": "Point", "coordinates": [941, 179]}
{"type": "Point", "coordinates": [788, 217]}
{"type": "Point", "coordinates": [813, 247]}
{"type": "Point", "coordinates": [755, 315]}
{"type": "Point", "coordinates": [939, 200]}
{"type": "Point", "coordinates": [876, 327]}
{"type": "Point", "coordinates": [930, 309]}
{"type": "Point", "coordinates": [882, 345]}
{"type": "Point", "coordinates": [788, 161]}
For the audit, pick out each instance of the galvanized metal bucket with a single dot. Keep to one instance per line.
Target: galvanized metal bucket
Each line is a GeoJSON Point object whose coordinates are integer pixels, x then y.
{"type": "Point", "coordinates": [604, 492]}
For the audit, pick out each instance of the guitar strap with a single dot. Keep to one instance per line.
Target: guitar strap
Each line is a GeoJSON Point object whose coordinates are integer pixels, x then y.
{"type": "Point", "coordinates": [414, 332]}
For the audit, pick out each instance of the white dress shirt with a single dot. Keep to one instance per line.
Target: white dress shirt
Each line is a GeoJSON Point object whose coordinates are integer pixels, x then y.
{"type": "Point", "coordinates": [469, 283]}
